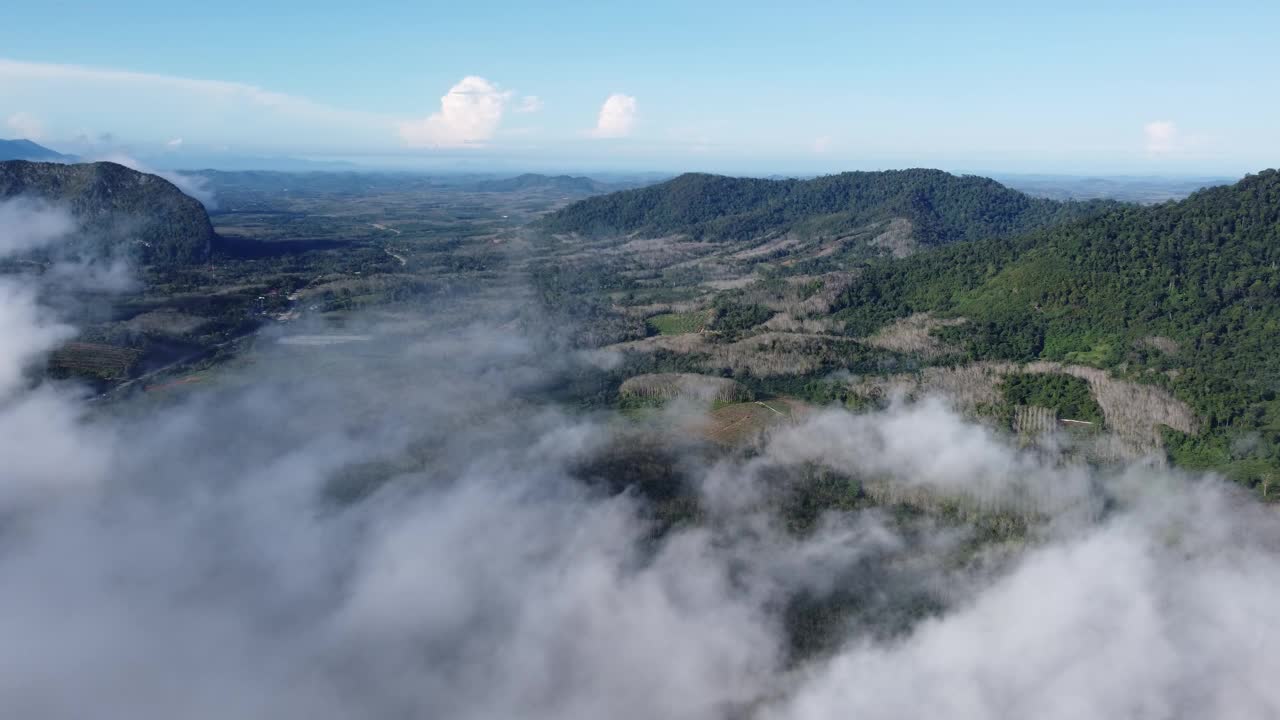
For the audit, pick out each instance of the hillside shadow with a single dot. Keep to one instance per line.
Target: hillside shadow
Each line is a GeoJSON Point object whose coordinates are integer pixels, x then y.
{"type": "Point", "coordinates": [239, 247]}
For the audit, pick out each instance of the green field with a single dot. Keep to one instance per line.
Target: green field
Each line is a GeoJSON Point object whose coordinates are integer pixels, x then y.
{"type": "Point", "coordinates": [678, 323]}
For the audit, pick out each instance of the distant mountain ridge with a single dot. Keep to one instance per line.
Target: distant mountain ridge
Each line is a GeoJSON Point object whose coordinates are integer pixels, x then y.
{"type": "Point", "coordinates": [940, 207]}
{"type": "Point", "coordinates": [353, 182]}
{"type": "Point", "coordinates": [534, 181]}
{"type": "Point", "coordinates": [144, 215]}
{"type": "Point", "coordinates": [20, 149]}
{"type": "Point", "coordinates": [1127, 188]}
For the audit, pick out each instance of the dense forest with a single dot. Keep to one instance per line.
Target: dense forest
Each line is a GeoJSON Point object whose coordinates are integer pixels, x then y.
{"type": "Point", "coordinates": [942, 207]}
{"type": "Point", "coordinates": [1181, 294]}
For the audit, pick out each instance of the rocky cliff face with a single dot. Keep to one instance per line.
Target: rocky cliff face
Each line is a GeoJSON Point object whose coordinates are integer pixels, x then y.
{"type": "Point", "coordinates": [121, 210]}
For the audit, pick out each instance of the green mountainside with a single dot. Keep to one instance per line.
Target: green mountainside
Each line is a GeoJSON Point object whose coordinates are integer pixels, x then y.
{"type": "Point", "coordinates": [532, 181]}
{"type": "Point", "coordinates": [1184, 295]}
{"type": "Point", "coordinates": [120, 209]}
{"type": "Point", "coordinates": [1180, 298]}
{"type": "Point", "coordinates": [941, 207]}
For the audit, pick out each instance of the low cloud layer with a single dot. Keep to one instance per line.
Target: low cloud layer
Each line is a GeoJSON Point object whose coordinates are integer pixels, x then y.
{"type": "Point", "coordinates": [394, 528]}
{"type": "Point", "coordinates": [617, 117]}
{"type": "Point", "coordinates": [29, 224]}
{"type": "Point", "coordinates": [1163, 611]}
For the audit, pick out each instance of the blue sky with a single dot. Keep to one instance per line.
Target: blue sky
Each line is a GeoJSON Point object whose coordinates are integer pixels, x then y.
{"type": "Point", "coordinates": [1151, 88]}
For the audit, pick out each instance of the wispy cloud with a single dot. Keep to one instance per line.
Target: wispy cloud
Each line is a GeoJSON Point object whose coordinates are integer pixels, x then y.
{"type": "Point", "coordinates": [1161, 137]}
{"type": "Point", "coordinates": [529, 104]}
{"type": "Point", "coordinates": [25, 125]}
{"type": "Point", "coordinates": [822, 145]}
{"type": "Point", "coordinates": [29, 223]}
{"type": "Point", "coordinates": [617, 117]}
{"type": "Point", "coordinates": [13, 71]}
{"type": "Point", "coordinates": [208, 111]}
{"type": "Point", "coordinates": [195, 186]}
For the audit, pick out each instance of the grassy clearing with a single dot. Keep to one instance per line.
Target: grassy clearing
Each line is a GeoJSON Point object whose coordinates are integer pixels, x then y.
{"type": "Point", "coordinates": [1097, 355]}
{"type": "Point", "coordinates": [732, 423]}
{"type": "Point", "coordinates": [679, 323]}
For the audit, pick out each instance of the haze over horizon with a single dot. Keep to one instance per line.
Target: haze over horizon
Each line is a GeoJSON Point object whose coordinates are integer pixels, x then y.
{"type": "Point", "coordinates": [997, 88]}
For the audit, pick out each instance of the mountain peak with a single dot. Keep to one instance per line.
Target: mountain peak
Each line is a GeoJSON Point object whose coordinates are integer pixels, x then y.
{"type": "Point", "coordinates": [23, 149]}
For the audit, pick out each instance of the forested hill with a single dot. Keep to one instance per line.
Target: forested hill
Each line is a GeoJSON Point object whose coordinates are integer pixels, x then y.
{"type": "Point", "coordinates": [1185, 294]}
{"type": "Point", "coordinates": [573, 185]}
{"type": "Point", "coordinates": [941, 207]}
{"type": "Point", "coordinates": [121, 210]}
{"type": "Point", "coordinates": [27, 150]}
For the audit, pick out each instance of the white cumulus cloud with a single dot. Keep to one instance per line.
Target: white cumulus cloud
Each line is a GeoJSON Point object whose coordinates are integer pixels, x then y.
{"type": "Point", "coordinates": [469, 115]}
{"type": "Point", "coordinates": [617, 117]}
{"type": "Point", "coordinates": [25, 125]}
{"type": "Point", "coordinates": [1161, 137]}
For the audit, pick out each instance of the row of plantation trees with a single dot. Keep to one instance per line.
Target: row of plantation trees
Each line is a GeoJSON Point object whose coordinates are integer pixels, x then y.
{"type": "Point", "coordinates": [661, 387]}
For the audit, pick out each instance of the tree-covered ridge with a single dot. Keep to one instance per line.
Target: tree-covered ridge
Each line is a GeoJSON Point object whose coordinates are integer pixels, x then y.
{"type": "Point", "coordinates": [942, 207]}
{"type": "Point", "coordinates": [121, 210]}
{"type": "Point", "coordinates": [533, 181]}
{"type": "Point", "coordinates": [1186, 295]}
